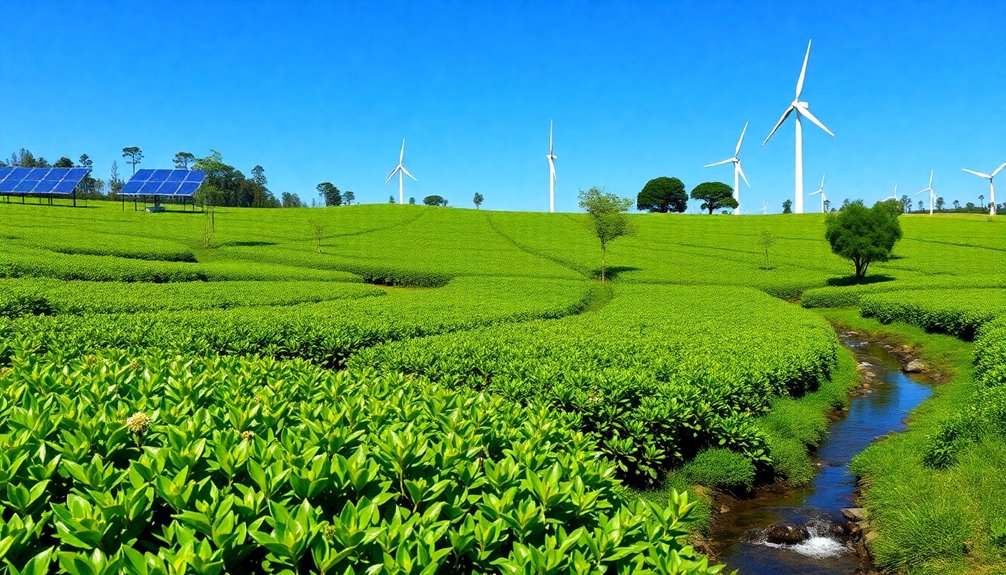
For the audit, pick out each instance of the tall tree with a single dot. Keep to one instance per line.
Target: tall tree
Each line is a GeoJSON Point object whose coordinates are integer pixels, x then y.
{"type": "Point", "coordinates": [863, 235]}
{"type": "Point", "coordinates": [25, 159]}
{"type": "Point", "coordinates": [348, 198]}
{"type": "Point", "coordinates": [291, 200]}
{"type": "Point", "coordinates": [714, 195]}
{"type": "Point", "coordinates": [134, 155]}
{"type": "Point", "coordinates": [88, 185]}
{"type": "Point", "coordinates": [663, 195]}
{"type": "Point", "coordinates": [787, 206]}
{"type": "Point", "coordinates": [258, 176]}
{"type": "Point", "coordinates": [957, 205]}
{"type": "Point", "coordinates": [329, 193]}
{"type": "Point", "coordinates": [63, 162]}
{"type": "Point", "coordinates": [183, 159]}
{"type": "Point", "coordinates": [115, 183]}
{"type": "Point", "coordinates": [477, 199]}
{"type": "Point", "coordinates": [939, 203]}
{"type": "Point", "coordinates": [906, 203]}
{"type": "Point", "coordinates": [607, 217]}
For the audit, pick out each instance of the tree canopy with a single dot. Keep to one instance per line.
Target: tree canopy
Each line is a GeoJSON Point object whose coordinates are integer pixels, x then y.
{"type": "Point", "coordinates": [714, 195]}
{"type": "Point", "coordinates": [864, 235]}
{"type": "Point", "coordinates": [477, 199]}
{"type": "Point", "coordinates": [329, 193]}
{"type": "Point", "coordinates": [225, 185]}
{"type": "Point", "coordinates": [607, 217]}
{"type": "Point", "coordinates": [434, 201]}
{"type": "Point", "coordinates": [663, 195]}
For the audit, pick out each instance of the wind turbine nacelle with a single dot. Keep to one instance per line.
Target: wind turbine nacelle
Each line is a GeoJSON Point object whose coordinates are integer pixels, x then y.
{"type": "Point", "coordinates": [804, 105]}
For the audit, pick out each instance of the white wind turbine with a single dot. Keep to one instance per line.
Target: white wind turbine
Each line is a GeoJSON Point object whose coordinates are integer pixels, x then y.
{"type": "Point", "coordinates": [736, 160]}
{"type": "Point", "coordinates": [551, 172]}
{"type": "Point", "coordinates": [929, 189]}
{"type": "Point", "coordinates": [802, 109]}
{"type": "Point", "coordinates": [992, 188]}
{"type": "Point", "coordinates": [401, 171]}
{"type": "Point", "coordinates": [764, 207]}
{"type": "Point", "coordinates": [821, 191]}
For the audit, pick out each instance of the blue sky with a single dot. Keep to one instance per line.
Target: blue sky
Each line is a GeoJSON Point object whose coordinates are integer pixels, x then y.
{"type": "Point", "coordinates": [325, 91]}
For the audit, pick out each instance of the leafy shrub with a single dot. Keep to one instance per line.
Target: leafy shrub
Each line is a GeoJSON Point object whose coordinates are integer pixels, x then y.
{"type": "Point", "coordinates": [169, 465]}
{"type": "Point", "coordinates": [958, 312]}
{"type": "Point", "coordinates": [721, 469]}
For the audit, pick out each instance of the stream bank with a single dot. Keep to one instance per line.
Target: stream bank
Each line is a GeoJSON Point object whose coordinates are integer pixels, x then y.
{"type": "Point", "coordinates": [803, 530]}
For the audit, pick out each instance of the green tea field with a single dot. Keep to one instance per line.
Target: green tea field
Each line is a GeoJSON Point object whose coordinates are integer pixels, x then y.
{"type": "Point", "coordinates": [412, 389]}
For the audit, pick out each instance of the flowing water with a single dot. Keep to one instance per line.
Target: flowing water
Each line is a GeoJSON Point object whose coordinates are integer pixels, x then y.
{"type": "Point", "coordinates": [739, 534]}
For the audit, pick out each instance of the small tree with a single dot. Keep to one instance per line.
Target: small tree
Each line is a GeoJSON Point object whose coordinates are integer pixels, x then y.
{"type": "Point", "coordinates": [787, 206]}
{"type": "Point", "coordinates": [391, 199]}
{"type": "Point", "coordinates": [714, 195]}
{"type": "Point", "coordinates": [981, 201]}
{"type": "Point", "coordinates": [183, 159]}
{"type": "Point", "coordinates": [134, 154]}
{"type": "Point", "coordinates": [863, 235]}
{"type": "Point", "coordinates": [607, 217]}
{"type": "Point", "coordinates": [957, 205]}
{"type": "Point", "coordinates": [348, 198]}
{"type": "Point", "coordinates": [766, 240]}
{"type": "Point", "coordinates": [412, 201]}
{"type": "Point", "coordinates": [477, 199]}
{"type": "Point", "coordinates": [663, 195]}
{"type": "Point", "coordinates": [115, 183]}
{"type": "Point", "coordinates": [318, 228]}
{"type": "Point", "coordinates": [939, 204]}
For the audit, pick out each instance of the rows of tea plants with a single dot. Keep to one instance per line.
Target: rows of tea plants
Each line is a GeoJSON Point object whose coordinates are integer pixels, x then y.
{"type": "Point", "coordinates": [957, 312]}
{"type": "Point", "coordinates": [44, 296]}
{"type": "Point", "coordinates": [850, 296]}
{"type": "Point", "coordinates": [95, 243]}
{"type": "Point", "coordinates": [326, 332]}
{"type": "Point", "coordinates": [18, 262]}
{"type": "Point", "coordinates": [161, 465]}
{"type": "Point", "coordinates": [657, 374]}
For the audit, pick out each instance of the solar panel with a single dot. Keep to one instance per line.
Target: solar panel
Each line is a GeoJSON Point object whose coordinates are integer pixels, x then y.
{"type": "Point", "coordinates": [149, 182]}
{"type": "Point", "coordinates": [41, 180]}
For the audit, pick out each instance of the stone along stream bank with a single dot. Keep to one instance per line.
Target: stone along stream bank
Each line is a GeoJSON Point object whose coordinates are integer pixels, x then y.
{"type": "Point", "coordinates": [815, 530]}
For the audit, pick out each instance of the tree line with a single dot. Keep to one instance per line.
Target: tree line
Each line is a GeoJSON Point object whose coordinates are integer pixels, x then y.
{"type": "Point", "coordinates": [668, 195]}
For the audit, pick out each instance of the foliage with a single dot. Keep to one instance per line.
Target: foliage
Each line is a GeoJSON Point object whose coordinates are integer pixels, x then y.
{"type": "Point", "coordinates": [134, 156]}
{"type": "Point", "coordinates": [714, 196]}
{"type": "Point", "coordinates": [329, 194]}
{"type": "Point", "coordinates": [183, 159]}
{"type": "Point", "coordinates": [663, 195]}
{"type": "Point", "coordinates": [477, 199]}
{"type": "Point", "coordinates": [721, 469]}
{"type": "Point", "coordinates": [958, 312]}
{"type": "Point", "coordinates": [159, 464]}
{"type": "Point", "coordinates": [787, 207]}
{"type": "Point", "coordinates": [607, 217]}
{"type": "Point", "coordinates": [231, 186]}
{"type": "Point", "coordinates": [863, 235]}
{"type": "Point", "coordinates": [766, 240]}
{"type": "Point", "coordinates": [434, 200]}
{"type": "Point", "coordinates": [655, 385]}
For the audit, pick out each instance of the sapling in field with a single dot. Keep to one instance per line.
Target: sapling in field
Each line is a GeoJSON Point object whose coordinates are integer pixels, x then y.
{"type": "Point", "coordinates": [766, 240]}
{"type": "Point", "coordinates": [607, 216]}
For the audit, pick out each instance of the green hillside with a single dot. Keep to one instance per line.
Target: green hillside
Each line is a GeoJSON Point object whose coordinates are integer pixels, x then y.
{"type": "Point", "coordinates": [401, 388]}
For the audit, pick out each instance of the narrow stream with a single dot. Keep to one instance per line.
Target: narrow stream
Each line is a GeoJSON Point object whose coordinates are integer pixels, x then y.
{"type": "Point", "coordinates": [739, 535]}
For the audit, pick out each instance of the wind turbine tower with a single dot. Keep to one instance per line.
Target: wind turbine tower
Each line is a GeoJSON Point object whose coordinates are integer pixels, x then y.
{"type": "Point", "coordinates": [738, 172]}
{"type": "Point", "coordinates": [992, 188]}
{"type": "Point", "coordinates": [821, 192]}
{"type": "Point", "coordinates": [401, 171]}
{"type": "Point", "coordinates": [551, 157]}
{"type": "Point", "coordinates": [929, 189]}
{"type": "Point", "coordinates": [801, 109]}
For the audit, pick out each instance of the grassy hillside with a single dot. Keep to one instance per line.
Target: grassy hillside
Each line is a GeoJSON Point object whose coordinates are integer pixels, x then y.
{"type": "Point", "coordinates": [507, 397]}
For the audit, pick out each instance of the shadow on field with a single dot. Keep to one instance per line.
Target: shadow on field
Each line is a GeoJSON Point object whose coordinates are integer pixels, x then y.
{"type": "Point", "coordinates": [611, 273]}
{"type": "Point", "coordinates": [851, 280]}
{"type": "Point", "coordinates": [247, 244]}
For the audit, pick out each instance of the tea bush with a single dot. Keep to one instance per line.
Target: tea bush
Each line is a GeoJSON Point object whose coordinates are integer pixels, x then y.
{"type": "Point", "coordinates": [957, 312]}
{"type": "Point", "coordinates": [156, 464]}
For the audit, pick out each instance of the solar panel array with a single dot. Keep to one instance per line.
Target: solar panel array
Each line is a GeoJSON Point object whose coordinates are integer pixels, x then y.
{"type": "Point", "coordinates": [163, 183]}
{"type": "Point", "coordinates": [40, 180]}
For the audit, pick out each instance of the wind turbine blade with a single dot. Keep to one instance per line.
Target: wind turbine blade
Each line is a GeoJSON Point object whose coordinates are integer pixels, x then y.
{"type": "Point", "coordinates": [931, 178]}
{"type": "Point", "coordinates": [803, 72]}
{"type": "Point", "coordinates": [814, 119]}
{"type": "Point", "coordinates": [979, 174]}
{"type": "Point", "coordinates": [737, 150]}
{"type": "Point", "coordinates": [406, 172]}
{"type": "Point", "coordinates": [777, 124]}
{"type": "Point", "coordinates": [720, 163]}
{"type": "Point", "coordinates": [392, 174]}
{"type": "Point", "coordinates": [822, 180]}
{"type": "Point", "coordinates": [999, 169]}
{"type": "Point", "coordinates": [401, 156]}
{"type": "Point", "coordinates": [817, 192]}
{"type": "Point", "coordinates": [741, 172]}
{"type": "Point", "coordinates": [550, 137]}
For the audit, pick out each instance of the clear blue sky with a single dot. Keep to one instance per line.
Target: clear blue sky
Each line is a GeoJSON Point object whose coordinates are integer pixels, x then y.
{"type": "Point", "coordinates": [325, 91]}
